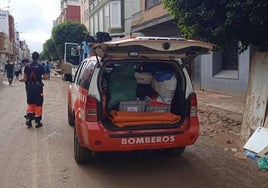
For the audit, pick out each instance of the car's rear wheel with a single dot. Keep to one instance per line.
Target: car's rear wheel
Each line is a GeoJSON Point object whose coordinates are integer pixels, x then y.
{"type": "Point", "coordinates": [81, 154]}
{"type": "Point", "coordinates": [70, 117]}
{"type": "Point", "coordinates": [174, 152]}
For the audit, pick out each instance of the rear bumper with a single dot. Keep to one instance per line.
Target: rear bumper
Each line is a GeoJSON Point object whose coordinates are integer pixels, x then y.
{"type": "Point", "coordinates": [95, 137]}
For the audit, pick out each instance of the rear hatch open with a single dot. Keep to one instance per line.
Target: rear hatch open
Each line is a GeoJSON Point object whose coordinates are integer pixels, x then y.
{"type": "Point", "coordinates": [158, 47]}
{"type": "Point", "coordinates": [143, 83]}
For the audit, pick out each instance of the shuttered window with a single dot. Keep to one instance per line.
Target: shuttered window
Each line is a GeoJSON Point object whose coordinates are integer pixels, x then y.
{"type": "Point", "coordinates": [230, 57]}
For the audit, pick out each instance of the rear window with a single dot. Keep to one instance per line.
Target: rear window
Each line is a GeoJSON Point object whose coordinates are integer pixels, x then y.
{"type": "Point", "coordinates": [143, 72]}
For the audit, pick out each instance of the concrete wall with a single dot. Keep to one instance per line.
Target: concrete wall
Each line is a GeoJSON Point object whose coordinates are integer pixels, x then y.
{"type": "Point", "coordinates": [255, 113]}
{"type": "Point", "coordinates": [232, 82]}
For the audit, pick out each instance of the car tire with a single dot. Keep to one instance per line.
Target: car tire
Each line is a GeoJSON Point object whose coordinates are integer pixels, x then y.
{"type": "Point", "coordinates": [174, 152]}
{"type": "Point", "coordinates": [70, 117]}
{"type": "Point", "coordinates": [81, 154]}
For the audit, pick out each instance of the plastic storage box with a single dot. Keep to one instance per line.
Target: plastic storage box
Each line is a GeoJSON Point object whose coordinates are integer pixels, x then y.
{"type": "Point", "coordinates": [165, 108]}
{"type": "Point", "coordinates": [132, 106]}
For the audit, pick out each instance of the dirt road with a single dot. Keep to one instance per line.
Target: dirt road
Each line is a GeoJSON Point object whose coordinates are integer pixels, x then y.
{"type": "Point", "coordinates": [44, 157]}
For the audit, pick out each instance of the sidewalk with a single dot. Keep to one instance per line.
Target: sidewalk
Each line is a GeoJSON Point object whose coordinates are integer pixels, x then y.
{"type": "Point", "coordinates": [221, 101]}
{"type": "Point", "coordinates": [2, 77]}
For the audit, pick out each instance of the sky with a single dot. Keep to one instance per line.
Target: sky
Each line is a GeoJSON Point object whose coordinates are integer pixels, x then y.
{"type": "Point", "coordinates": [33, 19]}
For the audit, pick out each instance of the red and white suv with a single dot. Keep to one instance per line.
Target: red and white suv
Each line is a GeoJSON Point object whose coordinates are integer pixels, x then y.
{"type": "Point", "coordinates": [135, 94]}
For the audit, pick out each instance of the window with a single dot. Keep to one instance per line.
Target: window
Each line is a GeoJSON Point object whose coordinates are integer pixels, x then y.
{"type": "Point", "coordinates": [115, 12]}
{"type": "Point", "coordinates": [96, 23]}
{"type": "Point", "coordinates": [151, 3]}
{"type": "Point", "coordinates": [101, 20]}
{"type": "Point", "coordinates": [87, 15]}
{"type": "Point", "coordinates": [95, 3]}
{"type": "Point", "coordinates": [78, 74]}
{"type": "Point", "coordinates": [91, 28]}
{"type": "Point", "coordinates": [87, 74]}
{"type": "Point", "coordinates": [230, 57]}
{"type": "Point", "coordinates": [225, 63]}
{"type": "Point", "coordinates": [72, 53]}
{"type": "Point", "coordinates": [106, 18]}
{"type": "Point", "coordinates": [91, 7]}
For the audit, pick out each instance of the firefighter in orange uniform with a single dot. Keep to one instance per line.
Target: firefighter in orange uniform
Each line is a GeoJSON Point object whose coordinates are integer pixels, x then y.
{"type": "Point", "coordinates": [33, 75]}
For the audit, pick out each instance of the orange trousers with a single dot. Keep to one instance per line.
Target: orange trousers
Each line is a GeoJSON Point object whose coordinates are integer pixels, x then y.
{"type": "Point", "coordinates": [36, 110]}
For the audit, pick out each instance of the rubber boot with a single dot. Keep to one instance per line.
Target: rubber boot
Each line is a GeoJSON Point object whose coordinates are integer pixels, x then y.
{"type": "Point", "coordinates": [38, 123]}
{"type": "Point", "coordinates": [29, 117]}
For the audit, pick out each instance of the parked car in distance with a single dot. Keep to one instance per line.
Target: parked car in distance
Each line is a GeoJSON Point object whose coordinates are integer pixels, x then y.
{"type": "Point", "coordinates": [134, 94]}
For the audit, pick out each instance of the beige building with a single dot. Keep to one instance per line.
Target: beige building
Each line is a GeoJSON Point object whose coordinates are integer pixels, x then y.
{"type": "Point", "coordinates": [70, 11]}
{"type": "Point", "coordinates": [9, 39]}
{"type": "Point", "coordinates": [85, 12]}
{"type": "Point", "coordinates": [153, 20]}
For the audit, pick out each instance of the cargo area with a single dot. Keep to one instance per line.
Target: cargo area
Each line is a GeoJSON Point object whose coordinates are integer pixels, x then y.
{"type": "Point", "coordinates": [147, 94]}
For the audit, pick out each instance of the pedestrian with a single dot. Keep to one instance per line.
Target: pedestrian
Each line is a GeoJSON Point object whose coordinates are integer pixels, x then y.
{"type": "Point", "coordinates": [48, 70]}
{"type": "Point", "coordinates": [20, 67]}
{"type": "Point", "coordinates": [33, 75]}
{"type": "Point", "coordinates": [17, 70]}
{"type": "Point", "coordinates": [24, 63]}
{"type": "Point", "coordinates": [9, 70]}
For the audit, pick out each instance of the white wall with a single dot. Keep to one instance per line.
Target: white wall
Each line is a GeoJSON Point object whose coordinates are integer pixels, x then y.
{"type": "Point", "coordinates": [236, 85]}
{"type": "Point", "coordinates": [4, 26]}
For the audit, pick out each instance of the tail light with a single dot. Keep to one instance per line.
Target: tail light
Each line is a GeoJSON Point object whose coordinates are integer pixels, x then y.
{"type": "Point", "coordinates": [193, 105]}
{"type": "Point", "coordinates": [91, 109]}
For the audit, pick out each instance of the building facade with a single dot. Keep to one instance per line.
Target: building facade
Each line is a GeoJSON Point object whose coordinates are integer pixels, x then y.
{"type": "Point", "coordinates": [224, 71]}
{"type": "Point", "coordinates": [153, 20]}
{"type": "Point", "coordinates": [4, 38]}
{"type": "Point", "coordinates": [70, 11]}
{"type": "Point", "coordinates": [9, 40]}
{"type": "Point", "coordinates": [85, 12]}
{"type": "Point", "coordinates": [112, 16]}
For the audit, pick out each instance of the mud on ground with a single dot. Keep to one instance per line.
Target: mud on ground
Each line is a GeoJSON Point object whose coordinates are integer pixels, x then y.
{"type": "Point", "coordinates": [223, 128]}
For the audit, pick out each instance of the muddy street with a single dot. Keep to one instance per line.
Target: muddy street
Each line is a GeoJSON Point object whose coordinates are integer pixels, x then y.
{"type": "Point", "coordinates": [44, 157]}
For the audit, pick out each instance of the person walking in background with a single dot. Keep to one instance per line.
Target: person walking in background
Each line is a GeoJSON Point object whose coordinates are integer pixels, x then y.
{"type": "Point", "coordinates": [17, 70]}
{"type": "Point", "coordinates": [48, 70]}
{"type": "Point", "coordinates": [9, 70]}
{"type": "Point", "coordinates": [33, 75]}
{"type": "Point", "coordinates": [25, 62]}
{"type": "Point", "coordinates": [20, 67]}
